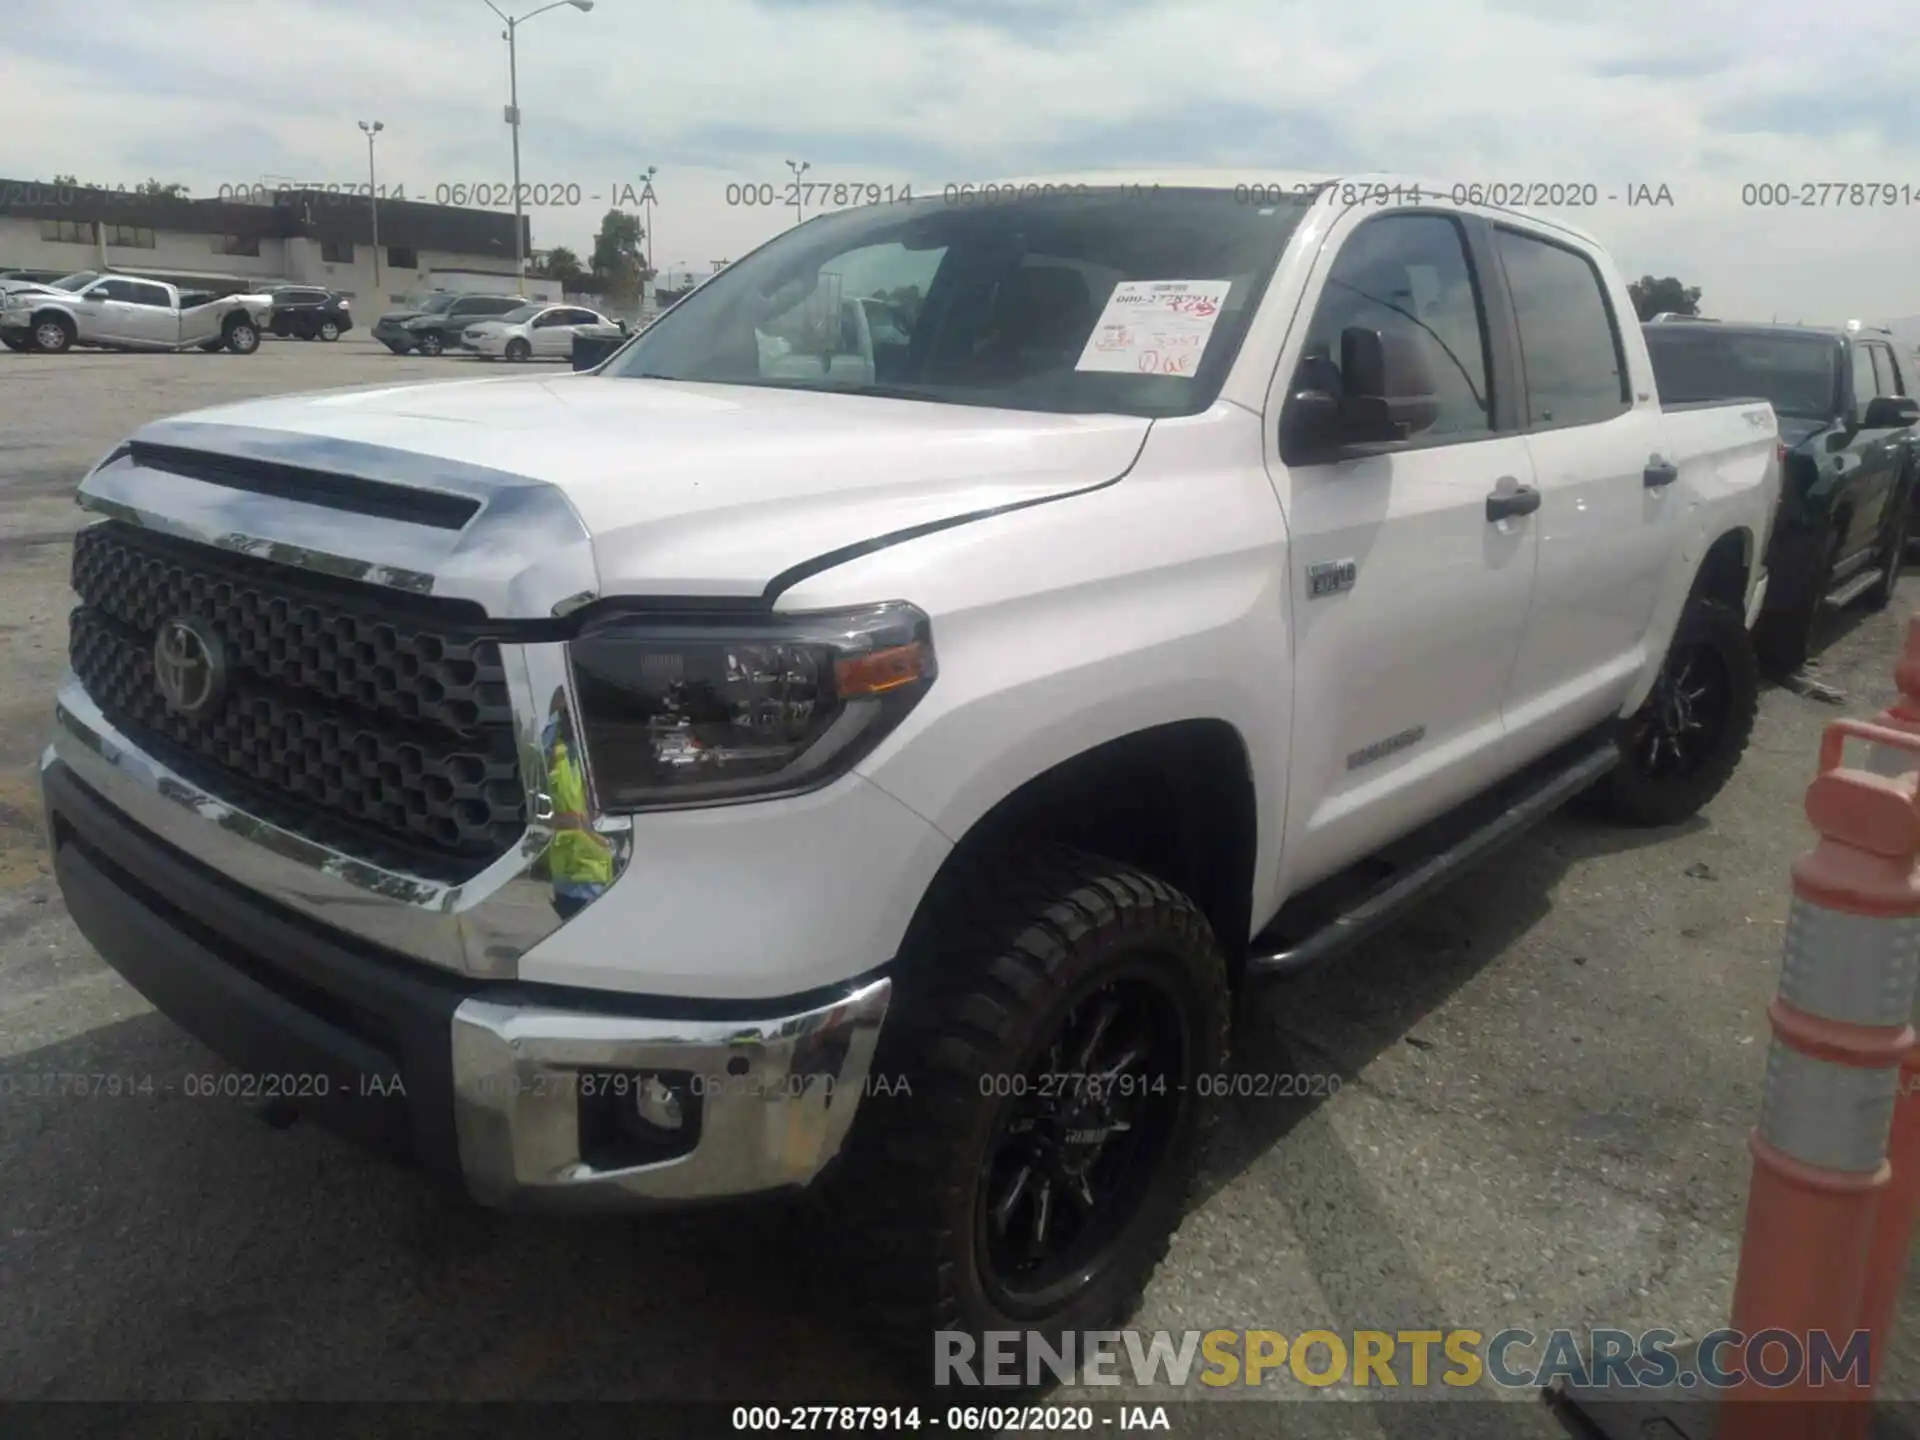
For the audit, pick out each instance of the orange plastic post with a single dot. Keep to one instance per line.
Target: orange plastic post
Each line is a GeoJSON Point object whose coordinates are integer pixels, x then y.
{"type": "Point", "coordinates": [1889, 1248]}
{"type": "Point", "coordinates": [1840, 1034]}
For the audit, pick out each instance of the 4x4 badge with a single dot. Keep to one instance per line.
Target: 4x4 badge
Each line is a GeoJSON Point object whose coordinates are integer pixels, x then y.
{"type": "Point", "coordinates": [190, 667]}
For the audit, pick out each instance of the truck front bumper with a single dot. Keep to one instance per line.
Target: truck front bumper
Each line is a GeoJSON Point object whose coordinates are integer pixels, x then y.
{"type": "Point", "coordinates": [531, 1096]}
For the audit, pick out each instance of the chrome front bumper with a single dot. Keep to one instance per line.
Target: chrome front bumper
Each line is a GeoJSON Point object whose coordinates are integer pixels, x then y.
{"type": "Point", "coordinates": [776, 1098]}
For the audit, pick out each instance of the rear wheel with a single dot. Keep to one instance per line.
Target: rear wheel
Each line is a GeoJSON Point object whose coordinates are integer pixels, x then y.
{"type": "Point", "coordinates": [518, 350]}
{"type": "Point", "coordinates": [1682, 745]}
{"type": "Point", "coordinates": [241, 337]}
{"type": "Point", "coordinates": [431, 343]}
{"type": "Point", "coordinates": [1056, 1023]}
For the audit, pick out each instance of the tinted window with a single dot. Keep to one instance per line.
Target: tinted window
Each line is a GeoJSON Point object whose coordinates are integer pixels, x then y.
{"type": "Point", "coordinates": [112, 290]}
{"type": "Point", "coordinates": [1798, 374]}
{"type": "Point", "coordinates": [1407, 274]}
{"type": "Point", "coordinates": [1000, 301]}
{"type": "Point", "coordinates": [150, 295]}
{"type": "Point", "coordinates": [1570, 348]}
{"type": "Point", "coordinates": [1886, 377]}
{"type": "Point", "coordinates": [1865, 385]}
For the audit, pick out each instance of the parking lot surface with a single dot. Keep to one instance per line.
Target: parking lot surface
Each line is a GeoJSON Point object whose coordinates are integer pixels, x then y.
{"type": "Point", "coordinates": [1544, 1084]}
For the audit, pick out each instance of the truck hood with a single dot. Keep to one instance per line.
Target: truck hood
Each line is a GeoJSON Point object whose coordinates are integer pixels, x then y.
{"type": "Point", "coordinates": [682, 488]}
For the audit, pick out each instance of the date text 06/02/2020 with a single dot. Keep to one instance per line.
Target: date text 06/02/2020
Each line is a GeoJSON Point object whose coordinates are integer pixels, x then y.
{"type": "Point", "coordinates": [471, 194]}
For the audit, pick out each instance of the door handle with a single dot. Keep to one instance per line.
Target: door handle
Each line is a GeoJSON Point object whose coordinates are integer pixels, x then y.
{"type": "Point", "coordinates": [1523, 500]}
{"type": "Point", "coordinates": [1659, 473]}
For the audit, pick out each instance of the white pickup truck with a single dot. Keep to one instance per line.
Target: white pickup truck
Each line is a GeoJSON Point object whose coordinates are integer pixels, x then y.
{"type": "Point", "coordinates": [129, 312]}
{"type": "Point", "coordinates": [721, 772]}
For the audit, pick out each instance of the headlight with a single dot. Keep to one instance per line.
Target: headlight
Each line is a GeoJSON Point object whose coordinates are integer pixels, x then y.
{"type": "Point", "coordinates": [701, 710]}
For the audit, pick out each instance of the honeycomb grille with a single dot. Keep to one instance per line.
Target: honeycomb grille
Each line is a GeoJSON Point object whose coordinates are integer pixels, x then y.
{"type": "Point", "coordinates": [386, 736]}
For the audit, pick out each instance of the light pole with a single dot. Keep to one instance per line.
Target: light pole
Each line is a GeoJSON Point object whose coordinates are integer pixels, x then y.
{"type": "Point", "coordinates": [800, 168]}
{"type": "Point", "coordinates": [373, 198]}
{"type": "Point", "coordinates": [646, 201]}
{"type": "Point", "coordinates": [513, 117]}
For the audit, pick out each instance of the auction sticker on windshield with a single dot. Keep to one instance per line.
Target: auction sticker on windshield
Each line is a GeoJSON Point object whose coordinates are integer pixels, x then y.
{"type": "Point", "coordinates": [1155, 327]}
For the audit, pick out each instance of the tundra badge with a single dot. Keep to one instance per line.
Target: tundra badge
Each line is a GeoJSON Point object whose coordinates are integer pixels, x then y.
{"type": "Point", "coordinates": [1328, 577]}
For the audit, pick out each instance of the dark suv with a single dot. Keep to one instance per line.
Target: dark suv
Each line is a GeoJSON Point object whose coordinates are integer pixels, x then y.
{"type": "Point", "coordinates": [435, 323]}
{"type": "Point", "coordinates": [1849, 457]}
{"type": "Point", "coordinates": [306, 311]}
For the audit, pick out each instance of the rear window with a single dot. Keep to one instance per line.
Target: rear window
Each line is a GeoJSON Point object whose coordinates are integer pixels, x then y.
{"type": "Point", "coordinates": [1082, 300]}
{"type": "Point", "coordinates": [1798, 375]}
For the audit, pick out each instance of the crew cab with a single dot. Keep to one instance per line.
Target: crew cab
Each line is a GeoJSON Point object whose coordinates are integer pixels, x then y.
{"type": "Point", "coordinates": [129, 312]}
{"type": "Point", "coordinates": [1850, 456]}
{"type": "Point", "coordinates": [873, 760]}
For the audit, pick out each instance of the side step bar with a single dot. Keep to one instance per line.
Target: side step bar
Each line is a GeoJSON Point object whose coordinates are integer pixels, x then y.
{"type": "Point", "coordinates": [1424, 861]}
{"type": "Point", "coordinates": [1844, 595]}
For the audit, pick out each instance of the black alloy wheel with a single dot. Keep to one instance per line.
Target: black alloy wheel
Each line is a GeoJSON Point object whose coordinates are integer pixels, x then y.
{"type": "Point", "coordinates": [1081, 1134]}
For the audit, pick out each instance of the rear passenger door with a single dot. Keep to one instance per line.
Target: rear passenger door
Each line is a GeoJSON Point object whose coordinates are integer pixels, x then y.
{"type": "Point", "coordinates": [1408, 600]}
{"type": "Point", "coordinates": [1610, 530]}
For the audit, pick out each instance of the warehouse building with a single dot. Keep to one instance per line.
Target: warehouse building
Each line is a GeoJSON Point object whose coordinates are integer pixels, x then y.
{"type": "Point", "coordinates": [296, 237]}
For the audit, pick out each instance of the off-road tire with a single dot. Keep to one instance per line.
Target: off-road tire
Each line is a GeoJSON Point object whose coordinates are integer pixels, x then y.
{"type": "Point", "coordinates": [1628, 793]}
{"type": "Point", "coordinates": [1003, 949]}
{"type": "Point", "coordinates": [1893, 554]}
{"type": "Point", "coordinates": [1784, 638]}
{"type": "Point", "coordinates": [431, 343]}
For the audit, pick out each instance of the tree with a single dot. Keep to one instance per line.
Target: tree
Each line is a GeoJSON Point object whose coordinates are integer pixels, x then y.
{"type": "Point", "coordinates": [1653, 297]}
{"type": "Point", "coordinates": [68, 180]}
{"type": "Point", "coordinates": [167, 190]}
{"type": "Point", "coordinates": [618, 270]}
{"type": "Point", "coordinates": [563, 265]}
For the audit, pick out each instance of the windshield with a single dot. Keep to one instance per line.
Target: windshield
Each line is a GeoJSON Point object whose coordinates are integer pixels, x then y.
{"type": "Point", "coordinates": [1081, 301]}
{"type": "Point", "coordinates": [77, 281]}
{"type": "Point", "coordinates": [1798, 374]}
{"type": "Point", "coordinates": [521, 315]}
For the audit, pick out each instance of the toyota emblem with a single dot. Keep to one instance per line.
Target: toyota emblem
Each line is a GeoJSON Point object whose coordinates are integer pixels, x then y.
{"type": "Point", "coordinates": [190, 667]}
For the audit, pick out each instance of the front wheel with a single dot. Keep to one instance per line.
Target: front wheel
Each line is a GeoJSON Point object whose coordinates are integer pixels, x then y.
{"type": "Point", "coordinates": [54, 335]}
{"type": "Point", "coordinates": [1682, 745]}
{"type": "Point", "coordinates": [329, 331]}
{"type": "Point", "coordinates": [431, 344]}
{"type": "Point", "coordinates": [1893, 557]}
{"type": "Point", "coordinates": [518, 350]}
{"type": "Point", "coordinates": [1040, 1099]}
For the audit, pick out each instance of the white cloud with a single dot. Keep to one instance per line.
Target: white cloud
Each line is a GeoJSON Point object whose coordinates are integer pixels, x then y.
{"type": "Point", "coordinates": [214, 92]}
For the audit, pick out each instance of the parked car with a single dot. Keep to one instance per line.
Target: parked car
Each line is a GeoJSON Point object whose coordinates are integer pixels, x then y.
{"type": "Point", "coordinates": [886, 775]}
{"type": "Point", "coordinates": [436, 322]}
{"type": "Point", "coordinates": [538, 331]}
{"type": "Point", "coordinates": [1850, 455]}
{"type": "Point", "coordinates": [310, 313]}
{"type": "Point", "coordinates": [129, 312]}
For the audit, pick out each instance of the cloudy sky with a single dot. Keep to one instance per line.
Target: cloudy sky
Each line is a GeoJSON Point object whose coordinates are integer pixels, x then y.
{"type": "Point", "coordinates": [1707, 98]}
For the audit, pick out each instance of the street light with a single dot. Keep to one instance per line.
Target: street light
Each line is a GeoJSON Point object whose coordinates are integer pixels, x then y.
{"type": "Point", "coordinates": [373, 198]}
{"type": "Point", "coordinates": [646, 201]}
{"type": "Point", "coordinates": [513, 116]}
{"type": "Point", "coordinates": [798, 169]}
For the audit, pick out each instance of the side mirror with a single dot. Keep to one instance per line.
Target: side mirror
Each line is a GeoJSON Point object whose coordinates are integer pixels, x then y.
{"type": "Point", "coordinates": [1388, 391]}
{"type": "Point", "coordinates": [1386, 394]}
{"type": "Point", "coordinates": [1891, 412]}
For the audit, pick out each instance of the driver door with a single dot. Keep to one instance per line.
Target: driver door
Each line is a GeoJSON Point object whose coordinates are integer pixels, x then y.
{"type": "Point", "coordinates": [1408, 592]}
{"type": "Point", "coordinates": [552, 333]}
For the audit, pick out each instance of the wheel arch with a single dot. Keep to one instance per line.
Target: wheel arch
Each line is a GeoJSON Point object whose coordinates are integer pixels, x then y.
{"type": "Point", "coordinates": [1177, 800]}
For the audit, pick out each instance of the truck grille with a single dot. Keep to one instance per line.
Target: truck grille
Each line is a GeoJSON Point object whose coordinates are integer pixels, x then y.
{"type": "Point", "coordinates": [377, 724]}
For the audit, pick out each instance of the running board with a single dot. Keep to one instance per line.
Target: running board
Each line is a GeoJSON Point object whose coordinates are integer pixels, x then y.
{"type": "Point", "coordinates": [1345, 909]}
{"type": "Point", "coordinates": [1846, 594]}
